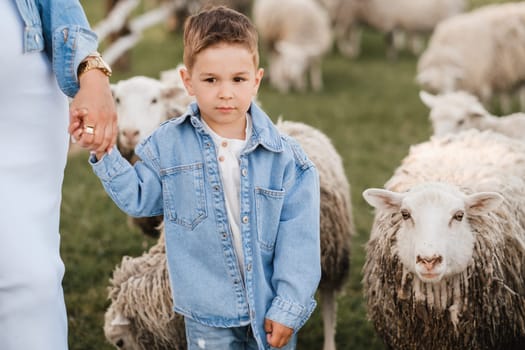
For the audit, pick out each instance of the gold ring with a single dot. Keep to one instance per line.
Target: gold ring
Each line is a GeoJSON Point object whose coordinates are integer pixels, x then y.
{"type": "Point", "coordinates": [88, 129]}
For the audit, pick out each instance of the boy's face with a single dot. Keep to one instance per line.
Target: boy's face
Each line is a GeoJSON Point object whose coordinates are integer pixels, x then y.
{"type": "Point", "coordinates": [224, 80]}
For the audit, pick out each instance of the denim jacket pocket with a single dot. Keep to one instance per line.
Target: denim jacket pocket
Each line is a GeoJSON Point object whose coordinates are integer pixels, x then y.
{"type": "Point", "coordinates": [184, 194]}
{"type": "Point", "coordinates": [269, 204]}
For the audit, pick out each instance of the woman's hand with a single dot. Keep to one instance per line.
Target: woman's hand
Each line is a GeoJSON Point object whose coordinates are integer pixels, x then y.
{"type": "Point", "coordinates": [92, 114]}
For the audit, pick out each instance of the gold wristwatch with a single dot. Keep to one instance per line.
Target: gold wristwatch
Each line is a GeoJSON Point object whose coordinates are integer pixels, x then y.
{"type": "Point", "coordinates": [93, 61]}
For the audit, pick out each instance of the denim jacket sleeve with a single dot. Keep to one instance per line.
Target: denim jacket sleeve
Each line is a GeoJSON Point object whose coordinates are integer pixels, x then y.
{"type": "Point", "coordinates": [67, 37]}
{"type": "Point", "coordinates": [297, 262]}
{"type": "Point", "coordinates": [136, 189]}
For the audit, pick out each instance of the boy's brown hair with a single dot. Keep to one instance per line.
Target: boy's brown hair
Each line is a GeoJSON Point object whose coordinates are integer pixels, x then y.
{"type": "Point", "coordinates": [214, 25]}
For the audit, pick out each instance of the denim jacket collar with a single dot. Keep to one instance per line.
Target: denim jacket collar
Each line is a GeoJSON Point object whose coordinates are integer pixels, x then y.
{"type": "Point", "coordinates": [264, 132]}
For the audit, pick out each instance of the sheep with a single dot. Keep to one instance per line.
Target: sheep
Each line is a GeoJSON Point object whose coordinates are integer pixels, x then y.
{"type": "Point", "coordinates": [481, 52]}
{"type": "Point", "coordinates": [336, 226]}
{"type": "Point", "coordinates": [445, 261]}
{"type": "Point", "coordinates": [141, 316]}
{"type": "Point", "coordinates": [142, 103]}
{"type": "Point", "coordinates": [295, 44]}
{"type": "Point", "coordinates": [459, 110]}
{"type": "Point", "coordinates": [415, 18]}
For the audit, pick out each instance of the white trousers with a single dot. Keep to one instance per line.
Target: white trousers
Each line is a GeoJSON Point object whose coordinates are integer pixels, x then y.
{"type": "Point", "coordinates": [33, 147]}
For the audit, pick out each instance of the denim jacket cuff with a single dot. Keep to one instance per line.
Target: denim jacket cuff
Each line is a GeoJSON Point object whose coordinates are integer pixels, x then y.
{"type": "Point", "coordinates": [109, 166]}
{"type": "Point", "coordinates": [71, 44]}
{"type": "Point", "coordinates": [290, 314]}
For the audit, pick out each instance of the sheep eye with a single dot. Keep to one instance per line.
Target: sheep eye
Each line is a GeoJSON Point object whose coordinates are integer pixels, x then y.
{"type": "Point", "coordinates": [117, 100]}
{"type": "Point", "coordinates": [461, 122]}
{"type": "Point", "coordinates": [405, 214]}
{"type": "Point", "coordinates": [459, 215]}
{"type": "Point", "coordinates": [153, 101]}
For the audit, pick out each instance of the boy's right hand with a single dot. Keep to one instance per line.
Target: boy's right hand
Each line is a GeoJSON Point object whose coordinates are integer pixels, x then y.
{"type": "Point", "coordinates": [277, 335]}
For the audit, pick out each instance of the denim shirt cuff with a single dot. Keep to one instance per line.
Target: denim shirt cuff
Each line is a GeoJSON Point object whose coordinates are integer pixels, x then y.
{"type": "Point", "coordinates": [71, 44]}
{"type": "Point", "coordinates": [290, 314]}
{"type": "Point", "coordinates": [109, 166]}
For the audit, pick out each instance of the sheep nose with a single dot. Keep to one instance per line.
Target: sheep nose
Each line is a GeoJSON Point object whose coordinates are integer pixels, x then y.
{"type": "Point", "coordinates": [120, 343]}
{"type": "Point", "coordinates": [130, 135]}
{"type": "Point", "coordinates": [429, 263]}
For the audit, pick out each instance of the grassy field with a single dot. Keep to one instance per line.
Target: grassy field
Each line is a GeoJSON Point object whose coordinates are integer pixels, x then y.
{"type": "Point", "coordinates": [369, 108]}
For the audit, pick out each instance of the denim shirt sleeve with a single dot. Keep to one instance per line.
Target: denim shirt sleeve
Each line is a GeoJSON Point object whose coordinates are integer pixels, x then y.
{"type": "Point", "coordinates": [297, 272]}
{"type": "Point", "coordinates": [135, 189]}
{"type": "Point", "coordinates": [68, 39]}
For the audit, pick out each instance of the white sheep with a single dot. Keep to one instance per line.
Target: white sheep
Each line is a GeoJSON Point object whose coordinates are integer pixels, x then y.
{"type": "Point", "coordinates": [481, 52]}
{"type": "Point", "coordinates": [336, 226]}
{"type": "Point", "coordinates": [460, 110]}
{"type": "Point", "coordinates": [395, 18]}
{"type": "Point", "coordinates": [446, 256]}
{"type": "Point", "coordinates": [296, 34]}
{"type": "Point", "coordinates": [142, 103]}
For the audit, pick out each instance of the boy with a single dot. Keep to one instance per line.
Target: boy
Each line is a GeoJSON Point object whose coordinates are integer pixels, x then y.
{"type": "Point", "coordinates": [240, 202]}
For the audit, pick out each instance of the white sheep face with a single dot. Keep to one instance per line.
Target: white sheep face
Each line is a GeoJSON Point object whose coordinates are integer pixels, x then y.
{"type": "Point", "coordinates": [434, 239]}
{"type": "Point", "coordinates": [142, 104]}
{"type": "Point", "coordinates": [453, 111]}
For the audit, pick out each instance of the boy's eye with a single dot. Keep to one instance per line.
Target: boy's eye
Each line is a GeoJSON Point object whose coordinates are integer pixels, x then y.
{"type": "Point", "coordinates": [210, 80]}
{"type": "Point", "coordinates": [238, 79]}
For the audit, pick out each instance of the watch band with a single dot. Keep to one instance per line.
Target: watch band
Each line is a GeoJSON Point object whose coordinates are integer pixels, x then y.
{"type": "Point", "coordinates": [93, 61]}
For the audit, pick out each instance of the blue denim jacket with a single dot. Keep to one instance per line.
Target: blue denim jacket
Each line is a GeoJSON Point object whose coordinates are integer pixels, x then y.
{"type": "Point", "coordinates": [279, 201]}
{"type": "Point", "coordinates": [59, 27]}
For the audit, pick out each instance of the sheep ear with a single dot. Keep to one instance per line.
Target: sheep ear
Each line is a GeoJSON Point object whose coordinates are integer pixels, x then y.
{"type": "Point", "coordinates": [172, 91]}
{"type": "Point", "coordinates": [120, 320]}
{"type": "Point", "coordinates": [477, 111]}
{"type": "Point", "coordinates": [383, 199]}
{"type": "Point", "coordinates": [483, 202]}
{"type": "Point", "coordinates": [428, 99]}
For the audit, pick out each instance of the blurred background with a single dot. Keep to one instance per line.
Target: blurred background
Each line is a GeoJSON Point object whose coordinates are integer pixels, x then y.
{"type": "Point", "coordinates": [368, 106]}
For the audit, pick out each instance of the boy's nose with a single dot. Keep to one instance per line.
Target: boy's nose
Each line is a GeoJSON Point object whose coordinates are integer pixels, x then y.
{"type": "Point", "coordinates": [225, 91]}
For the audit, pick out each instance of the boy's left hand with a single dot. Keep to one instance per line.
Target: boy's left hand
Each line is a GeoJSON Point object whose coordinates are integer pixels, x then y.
{"type": "Point", "coordinates": [277, 335]}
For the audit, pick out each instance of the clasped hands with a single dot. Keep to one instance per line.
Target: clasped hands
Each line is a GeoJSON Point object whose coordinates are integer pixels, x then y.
{"type": "Point", "coordinates": [92, 114]}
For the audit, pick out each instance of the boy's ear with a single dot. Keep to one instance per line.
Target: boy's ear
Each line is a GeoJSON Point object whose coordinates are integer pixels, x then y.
{"type": "Point", "coordinates": [186, 80]}
{"type": "Point", "coordinates": [258, 78]}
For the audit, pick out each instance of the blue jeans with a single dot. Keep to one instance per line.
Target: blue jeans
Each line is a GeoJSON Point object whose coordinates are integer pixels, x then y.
{"type": "Point", "coordinates": [200, 337]}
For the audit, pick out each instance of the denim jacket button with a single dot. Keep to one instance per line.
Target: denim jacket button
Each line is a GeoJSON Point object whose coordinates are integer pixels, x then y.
{"type": "Point", "coordinates": [224, 235]}
{"type": "Point", "coordinates": [244, 172]}
{"type": "Point", "coordinates": [249, 267]}
{"type": "Point", "coordinates": [245, 219]}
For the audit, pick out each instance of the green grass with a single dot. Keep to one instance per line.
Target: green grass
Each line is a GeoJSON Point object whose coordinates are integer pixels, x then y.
{"type": "Point", "coordinates": [369, 108]}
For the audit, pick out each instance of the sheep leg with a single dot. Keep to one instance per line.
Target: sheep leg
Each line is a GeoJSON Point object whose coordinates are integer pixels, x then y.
{"type": "Point", "coordinates": [505, 102]}
{"type": "Point", "coordinates": [521, 94]}
{"type": "Point", "coordinates": [329, 315]}
{"type": "Point", "coordinates": [417, 43]}
{"type": "Point", "coordinates": [316, 75]}
{"type": "Point", "coordinates": [349, 42]}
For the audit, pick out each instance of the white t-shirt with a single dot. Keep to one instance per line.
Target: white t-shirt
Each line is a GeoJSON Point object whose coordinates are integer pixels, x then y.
{"type": "Point", "coordinates": [228, 155]}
